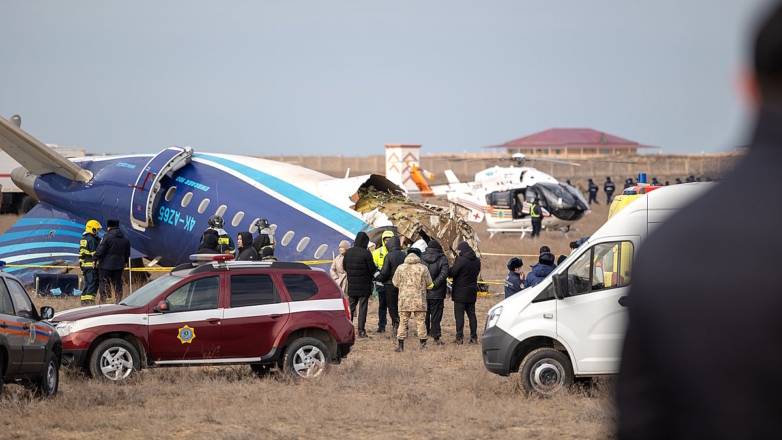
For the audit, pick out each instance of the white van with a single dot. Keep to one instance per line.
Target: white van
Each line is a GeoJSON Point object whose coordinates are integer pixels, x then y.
{"type": "Point", "coordinates": [572, 324]}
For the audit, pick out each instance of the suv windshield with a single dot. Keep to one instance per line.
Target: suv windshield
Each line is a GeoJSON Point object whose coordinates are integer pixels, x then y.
{"type": "Point", "coordinates": [150, 290]}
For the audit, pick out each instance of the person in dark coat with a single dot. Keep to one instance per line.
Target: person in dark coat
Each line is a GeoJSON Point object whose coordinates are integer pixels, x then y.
{"type": "Point", "coordinates": [609, 188]}
{"type": "Point", "coordinates": [592, 189]}
{"type": "Point", "coordinates": [245, 251]}
{"type": "Point", "coordinates": [360, 269]}
{"type": "Point", "coordinates": [702, 354]}
{"type": "Point", "coordinates": [464, 273]}
{"type": "Point", "coordinates": [435, 260]}
{"type": "Point", "coordinates": [514, 282]}
{"type": "Point", "coordinates": [541, 270]}
{"type": "Point", "coordinates": [112, 254]}
{"type": "Point", "coordinates": [208, 244]}
{"type": "Point", "coordinates": [391, 260]}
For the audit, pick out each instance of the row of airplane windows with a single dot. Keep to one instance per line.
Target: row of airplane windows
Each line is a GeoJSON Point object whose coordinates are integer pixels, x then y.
{"type": "Point", "coordinates": [286, 239]}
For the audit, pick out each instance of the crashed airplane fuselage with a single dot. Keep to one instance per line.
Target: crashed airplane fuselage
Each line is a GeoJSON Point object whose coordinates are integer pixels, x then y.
{"type": "Point", "coordinates": [163, 202]}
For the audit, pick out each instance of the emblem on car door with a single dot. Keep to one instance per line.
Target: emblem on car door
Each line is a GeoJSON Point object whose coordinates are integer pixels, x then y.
{"type": "Point", "coordinates": [186, 334]}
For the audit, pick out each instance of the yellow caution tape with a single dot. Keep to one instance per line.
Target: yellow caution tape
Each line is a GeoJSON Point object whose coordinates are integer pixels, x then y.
{"type": "Point", "coordinates": [491, 254]}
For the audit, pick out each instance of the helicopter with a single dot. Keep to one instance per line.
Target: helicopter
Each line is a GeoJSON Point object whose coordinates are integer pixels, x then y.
{"type": "Point", "coordinates": [501, 196]}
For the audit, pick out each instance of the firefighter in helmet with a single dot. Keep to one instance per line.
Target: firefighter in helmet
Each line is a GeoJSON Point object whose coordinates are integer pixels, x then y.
{"type": "Point", "coordinates": [88, 262]}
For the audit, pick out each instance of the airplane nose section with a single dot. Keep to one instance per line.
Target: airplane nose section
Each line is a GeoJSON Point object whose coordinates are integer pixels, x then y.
{"type": "Point", "coordinates": [25, 181]}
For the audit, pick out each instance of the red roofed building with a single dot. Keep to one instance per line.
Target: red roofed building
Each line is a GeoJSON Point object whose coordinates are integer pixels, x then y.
{"type": "Point", "coordinates": [571, 142]}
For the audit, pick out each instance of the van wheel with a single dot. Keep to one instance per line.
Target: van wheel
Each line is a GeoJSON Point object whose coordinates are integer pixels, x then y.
{"type": "Point", "coordinates": [545, 372]}
{"type": "Point", "coordinates": [49, 382]}
{"type": "Point", "coordinates": [306, 358]}
{"type": "Point", "coordinates": [114, 359]}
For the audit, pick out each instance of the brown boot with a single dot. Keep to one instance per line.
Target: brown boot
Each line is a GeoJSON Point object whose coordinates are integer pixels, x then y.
{"type": "Point", "coordinates": [401, 347]}
{"type": "Point", "coordinates": [423, 344]}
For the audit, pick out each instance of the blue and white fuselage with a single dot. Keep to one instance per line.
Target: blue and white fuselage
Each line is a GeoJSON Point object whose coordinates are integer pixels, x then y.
{"type": "Point", "coordinates": [310, 212]}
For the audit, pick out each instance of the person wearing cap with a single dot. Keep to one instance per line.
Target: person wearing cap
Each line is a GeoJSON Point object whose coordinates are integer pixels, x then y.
{"type": "Point", "coordinates": [112, 254]}
{"type": "Point", "coordinates": [514, 282]}
{"type": "Point", "coordinates": [541, 270]}
{"type": "Point", "coordinates": [337, 270]}
{"type": "Point", "coordinates": [379, 256]}
{"type": "Point", "coordinates": [88, 263]}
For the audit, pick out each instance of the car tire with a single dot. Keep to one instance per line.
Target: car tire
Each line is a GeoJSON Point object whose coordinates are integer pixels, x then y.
{"type": "Point", "coordinates": [114, 360]}
{"type": "Point", "coordinates": [545, 372]}
{"type": "Point", "coordinates": [49, 383]}
{"type": "Point", "coordinates": [306, 358]}
{"type": "Point", "coordinates": [2, 372]}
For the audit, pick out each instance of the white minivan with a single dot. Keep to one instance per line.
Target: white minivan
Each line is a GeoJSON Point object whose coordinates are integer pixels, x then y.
{"type": "Point", "coordinates": [572, 324]}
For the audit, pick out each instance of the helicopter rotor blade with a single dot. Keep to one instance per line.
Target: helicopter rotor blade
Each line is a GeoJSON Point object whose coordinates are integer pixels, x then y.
{"type": "Point", "coordinates": [561, 162]}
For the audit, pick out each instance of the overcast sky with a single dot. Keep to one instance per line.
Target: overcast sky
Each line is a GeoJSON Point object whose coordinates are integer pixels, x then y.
{"type": "Point", "coordinates": [345, 77]}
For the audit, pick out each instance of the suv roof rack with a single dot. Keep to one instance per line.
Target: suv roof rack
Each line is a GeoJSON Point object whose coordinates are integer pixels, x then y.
{"type": "Point", "coordinates": [211, 266]}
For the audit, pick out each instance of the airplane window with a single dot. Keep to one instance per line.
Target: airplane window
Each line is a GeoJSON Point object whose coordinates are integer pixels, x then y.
{"type": "Point", "coordinates": [287, 238]}
{"type": "Point", "coordinates": [203, 205]}
{"type": "Point", "coordinates": [170, 193]}
{"type": "Point", "coordinates": [186, 199]}
{"type": "Point", "coordinates": [321, 250]}
{"type": "Point", "coordinates": [221, 210]}
{"type": "Point", "coordinates": [303, 244]}
{"type": "Point", "coordinates": [253, 227]}
{"type": "Point", "coordinates": [237, 219]}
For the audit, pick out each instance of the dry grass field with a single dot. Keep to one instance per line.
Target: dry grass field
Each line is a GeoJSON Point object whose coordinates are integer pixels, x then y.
{"type": "Point", "coordinates": [441, 393]}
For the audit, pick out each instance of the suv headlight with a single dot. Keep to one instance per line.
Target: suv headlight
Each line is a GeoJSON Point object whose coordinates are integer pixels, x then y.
{"type": "Point", "coordinates": [63, 328]}
{"type": "Point", "coordinates": [494, 316]}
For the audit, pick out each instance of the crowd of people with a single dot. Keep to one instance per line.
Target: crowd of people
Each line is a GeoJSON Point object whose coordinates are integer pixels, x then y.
{"type": "Point", "coordinates": [609, 187]}
{"type": "Point", "coordinates": [215, 240]}
{"type": "Point", "coordinates": [411, 283]}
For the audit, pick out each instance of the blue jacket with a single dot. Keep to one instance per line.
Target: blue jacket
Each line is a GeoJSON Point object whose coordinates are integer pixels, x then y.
{"type": "Point", "coordinates": [512, 284]}
{"type": "Point", "coordinates": [538, 273]}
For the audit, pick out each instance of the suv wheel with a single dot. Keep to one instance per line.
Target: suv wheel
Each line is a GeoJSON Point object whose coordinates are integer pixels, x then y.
{"type": "Point", "coordinates": [545, 372]}
{"type": "Point", "coordinates": [114, 359]}
{"type": "Point", "coordinates": [49, 382]}
{"type": "Point", "coordinates": [306, 358]}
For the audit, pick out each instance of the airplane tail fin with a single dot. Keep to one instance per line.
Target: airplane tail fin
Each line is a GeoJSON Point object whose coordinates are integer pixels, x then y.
{"type": "Point", "coordinates": [34, 155]}
{"type": "Point", "coordinates": [451, 177]}
{"type": "Point", "coordinates": [45, 236]}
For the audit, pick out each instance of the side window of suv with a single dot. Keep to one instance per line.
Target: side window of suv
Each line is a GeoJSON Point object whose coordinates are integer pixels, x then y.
{"type": "Point", "coordinates": [253, 290]}
{"type": "Point", "coordinates": [201, 294]}
{"type": "Point", "coordinates": [6, 306]}
{"type": "Point", "coordinates": [604, 266]}
{"type": "Point", "coordinates": [22, 303]}
{"type": "Point", "coordinates": [300, 287]}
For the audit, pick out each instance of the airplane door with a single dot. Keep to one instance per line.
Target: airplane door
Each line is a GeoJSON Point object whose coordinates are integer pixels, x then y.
{"type": "Point", "coordinates": [145, 191]}
{"type": "Point", "coordinates": [191, 328]}
{"type": "Point", "coordinates": [592, 318]}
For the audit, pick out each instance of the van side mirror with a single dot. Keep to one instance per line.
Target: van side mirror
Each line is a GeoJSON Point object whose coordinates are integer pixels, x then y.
{"type": "Point", "coordinates": [47, 313]}
{"type": "Point", "coordinates": [560, 285]}
{"type": "Point", "coordinates": [162, 307]}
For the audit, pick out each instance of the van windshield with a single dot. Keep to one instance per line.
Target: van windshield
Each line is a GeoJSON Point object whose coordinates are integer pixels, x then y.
{"type": "Point", "coordinates": [146, 293]}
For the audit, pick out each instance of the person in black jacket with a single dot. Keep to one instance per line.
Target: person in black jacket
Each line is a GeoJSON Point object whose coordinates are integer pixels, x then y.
{"type": "Point", "coordinates": [391, 261]}
{"type": "Point", "coordinates": [465, 272]}
{"type": "Point", "coordinates": [112, 254]}
{"type": "Point", "coordinates": [702, 354]}
{"type": "Point", "coordinates": [245, 251]}
{"type": "Point", "coordinates": [437, 263]}
{"type": "Point", "coordinates": [360, 269]}
{"type": "Point", "coordinates": [208, 243]}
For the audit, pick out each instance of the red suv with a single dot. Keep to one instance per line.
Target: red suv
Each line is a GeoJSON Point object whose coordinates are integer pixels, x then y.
{"type": "Point", "coordinates": [264, 314]}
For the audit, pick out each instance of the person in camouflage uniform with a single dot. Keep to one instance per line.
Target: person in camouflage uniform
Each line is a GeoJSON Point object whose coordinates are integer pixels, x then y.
{"type": "Point", "coordinates": [412, 279]}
